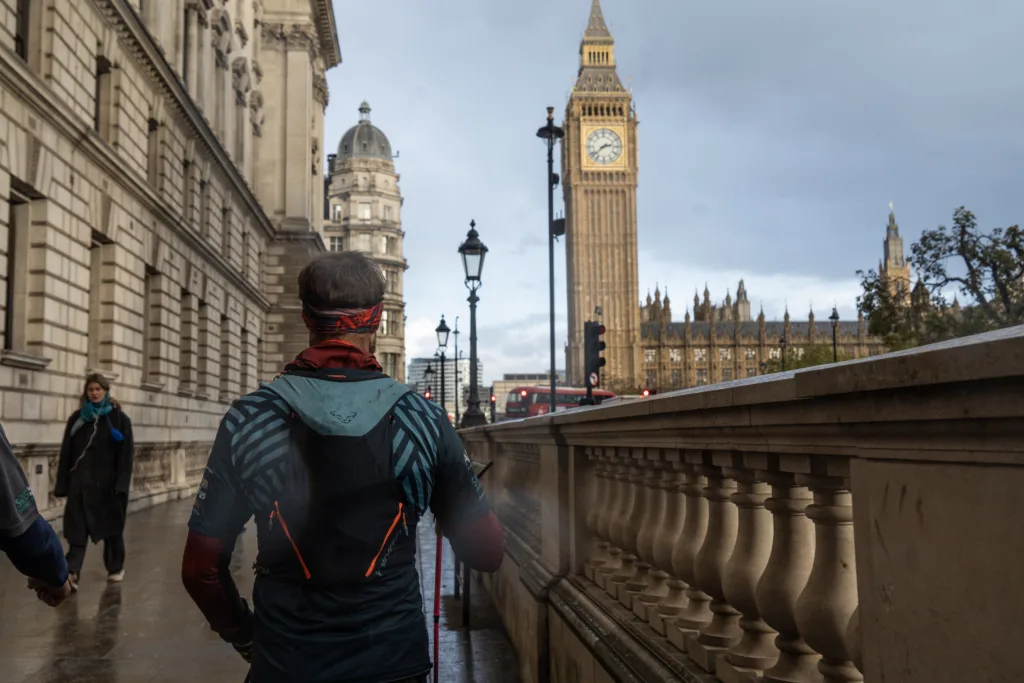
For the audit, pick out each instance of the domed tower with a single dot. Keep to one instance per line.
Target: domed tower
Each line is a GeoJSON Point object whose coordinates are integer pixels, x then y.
{"type": "Point", "coordinates": [363, 213]}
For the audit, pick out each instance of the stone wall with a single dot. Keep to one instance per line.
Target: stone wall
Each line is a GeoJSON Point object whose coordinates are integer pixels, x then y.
{"type": "Point", "coordinates": [132, 242]}
{"type": "Point", "coordinates": [804, 527]}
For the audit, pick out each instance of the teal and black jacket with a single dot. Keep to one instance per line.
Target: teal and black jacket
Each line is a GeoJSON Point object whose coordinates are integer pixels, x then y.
{"type": "Point", "coordinates": [336, 467]}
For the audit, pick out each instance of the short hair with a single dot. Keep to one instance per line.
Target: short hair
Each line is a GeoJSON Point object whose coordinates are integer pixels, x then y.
{"type": "Point", "coordinates": [346, 279]}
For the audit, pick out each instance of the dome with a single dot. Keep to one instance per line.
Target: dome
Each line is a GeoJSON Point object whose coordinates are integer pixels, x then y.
{"type": "Point", "coordinates": [364, 140]}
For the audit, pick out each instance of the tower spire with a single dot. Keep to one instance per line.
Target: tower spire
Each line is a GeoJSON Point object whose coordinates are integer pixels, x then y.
{"type": "Point", "coordinates": [596, 28]}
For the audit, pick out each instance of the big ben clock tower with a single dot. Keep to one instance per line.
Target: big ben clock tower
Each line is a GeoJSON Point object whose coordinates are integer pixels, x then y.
{"type": "Point", "coordinates": [599, 168]}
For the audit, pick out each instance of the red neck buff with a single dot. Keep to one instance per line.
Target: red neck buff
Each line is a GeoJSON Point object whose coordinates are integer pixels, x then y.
{"type": "Point", "coordinates": [334, 353]}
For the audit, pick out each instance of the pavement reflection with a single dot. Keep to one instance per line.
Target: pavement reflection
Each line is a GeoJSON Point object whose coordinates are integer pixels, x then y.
{"type": "Point", "coordinates": [146, 630]}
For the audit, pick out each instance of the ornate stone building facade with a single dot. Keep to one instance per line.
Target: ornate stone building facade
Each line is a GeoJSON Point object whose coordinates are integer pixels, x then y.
{"type": "Point", "coordinates": [363, 211]}
{"type": "Point", "coordinates": [158, 191]}
{"type": "Point", "coordinates": [599, 171]}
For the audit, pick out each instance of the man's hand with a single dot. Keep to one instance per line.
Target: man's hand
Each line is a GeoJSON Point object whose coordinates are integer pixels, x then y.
{"type": "Point", "coordinates": [51, 595]}
{"type": "Point", "coordinates": [244, 649]}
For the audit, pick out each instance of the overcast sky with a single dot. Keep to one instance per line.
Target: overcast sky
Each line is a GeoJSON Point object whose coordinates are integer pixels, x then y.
{"type": "Point", "coordinates": [772, 137]}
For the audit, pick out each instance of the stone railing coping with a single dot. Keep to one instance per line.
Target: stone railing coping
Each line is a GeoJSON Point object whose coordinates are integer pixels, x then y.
{"type": "Point", "coordinates": [965, 396]}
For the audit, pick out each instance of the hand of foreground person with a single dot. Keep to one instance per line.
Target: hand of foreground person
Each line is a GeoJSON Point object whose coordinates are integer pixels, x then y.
{"type": "Point", "coordinates": [244, 649]}
{"type": "Point", "coordinates": [51, 595]}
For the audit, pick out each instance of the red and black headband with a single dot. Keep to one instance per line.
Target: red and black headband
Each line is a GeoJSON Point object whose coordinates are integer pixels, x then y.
{"type": "Point", "coordinates": [342, 321]}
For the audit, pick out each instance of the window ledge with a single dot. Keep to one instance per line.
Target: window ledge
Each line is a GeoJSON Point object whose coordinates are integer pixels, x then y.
{"type": "Point", "coordinates": [151, 386]}
{"type": "Point", "coordinates": [26, 361]}
{"type": "Point", "coordinates": [185, 393]}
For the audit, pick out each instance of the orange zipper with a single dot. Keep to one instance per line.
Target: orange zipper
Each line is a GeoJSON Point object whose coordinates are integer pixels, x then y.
{"type": "Point", "coordinates": [284, 526]}
{"type": "Point", "coordinates": [391, 530]}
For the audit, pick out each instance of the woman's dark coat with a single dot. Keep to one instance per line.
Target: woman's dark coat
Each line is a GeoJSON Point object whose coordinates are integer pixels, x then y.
{"type": "Point", "coordinates": [97, 490]}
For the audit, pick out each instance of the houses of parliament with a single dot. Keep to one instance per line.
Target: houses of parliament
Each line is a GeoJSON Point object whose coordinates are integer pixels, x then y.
{"type": "Point", "coordinates": [719, 341]}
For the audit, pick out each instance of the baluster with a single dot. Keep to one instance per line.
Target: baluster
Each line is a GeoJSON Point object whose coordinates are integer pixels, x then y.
{"type": "Point", "coordinates": [674, 599]}
{"type": "Point", "coordinates": [617, 473]}
{"type": "Point", "coordinates": [621, 529]}
{"type": "Point", "coordinates": [853, 642]}
{"type": "Point", "coordinates": [697, 613]}
{"type": "Point", "coordinates": [827, 602]}
{"type": "Point", "coordinates": [755, 650]}
{"type": "Point", "coordinates": [644, 525]}
{"type": "Point", "coordinates": [595, 506]}
{"type": "Point", "coordinates": [784, 579]}
{"type": "Point", "coordinates": [722, 631]}
{"type": "Point", "coordinates": [663, 532]}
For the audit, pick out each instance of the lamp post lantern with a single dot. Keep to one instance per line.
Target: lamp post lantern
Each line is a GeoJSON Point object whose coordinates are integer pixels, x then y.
{"type": "Point", "coordinates": [835, 330]}
{"type": "Point", "coordinates": [442, 346]}
{"type": "Point", "coordinates": [551, 134]}
{"type": "Point", "coordinates": [473, 252]}
{"type": "Point", "coordinates": [782, 347]}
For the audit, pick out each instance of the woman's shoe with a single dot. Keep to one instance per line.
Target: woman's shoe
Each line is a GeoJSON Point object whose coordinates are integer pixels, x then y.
{"type": "Point", "coordinates": [73, 582]}
{"type": "Point", "coordinates": [116, 577]}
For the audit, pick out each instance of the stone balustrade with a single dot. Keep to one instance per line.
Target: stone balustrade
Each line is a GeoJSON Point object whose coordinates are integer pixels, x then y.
{"type": "Point", "coordinates": [851, 522]}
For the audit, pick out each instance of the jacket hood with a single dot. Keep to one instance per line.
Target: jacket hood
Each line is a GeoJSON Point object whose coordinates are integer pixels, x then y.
{"type": "Point", "coordinates": [338, 408]}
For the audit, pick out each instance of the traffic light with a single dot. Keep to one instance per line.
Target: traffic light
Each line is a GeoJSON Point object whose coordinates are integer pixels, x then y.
{"type": "Point", "coordinates": [593, 346]}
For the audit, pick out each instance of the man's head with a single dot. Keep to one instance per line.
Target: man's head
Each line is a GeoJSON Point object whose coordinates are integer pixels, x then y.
{"type": "Point", "coordinates": [342, 295]}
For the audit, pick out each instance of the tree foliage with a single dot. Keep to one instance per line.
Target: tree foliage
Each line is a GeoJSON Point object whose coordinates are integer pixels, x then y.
{"type": "Point", "coordinates": [984, 270]}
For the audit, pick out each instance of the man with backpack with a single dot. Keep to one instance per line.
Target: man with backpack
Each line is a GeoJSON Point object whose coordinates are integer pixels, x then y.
{"type": "Point", "coordinates": [336, 462]}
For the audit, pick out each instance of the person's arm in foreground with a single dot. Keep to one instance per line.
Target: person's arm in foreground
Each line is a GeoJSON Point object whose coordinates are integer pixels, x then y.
{"type": "Point", "coordinates": [462, 509]}
{"type": "Point", "coordinates": [26, 538]}
{"type": "Point", "coordinates": [219, 513]}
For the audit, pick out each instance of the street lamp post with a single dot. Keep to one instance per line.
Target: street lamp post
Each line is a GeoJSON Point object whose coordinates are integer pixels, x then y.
{"type": "Point", "coordinates": [782, 347]}
{"type": "Point", "coordinates": [458, 392]}
{"type": "Point", "coordinates": [835, 330]}
{"type": "Point", "coordinates": [473, 252]}
{"type": "Point", "coordinates": [551, 133]}
{"type": "Point", "coordinates": [442, 346]}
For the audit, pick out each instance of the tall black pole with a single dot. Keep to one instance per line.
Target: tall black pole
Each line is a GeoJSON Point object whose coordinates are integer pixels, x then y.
{"type": "Point", "coordinates": [551, 133]}
{"type": "Point", "coordinates": [473, 417]}
{"type": "Point", "coordinates": [457, 370]}
{"type": "Point", "coordinates": [444, 404]}
{"type": "Point", "coordinates": [835, 349]}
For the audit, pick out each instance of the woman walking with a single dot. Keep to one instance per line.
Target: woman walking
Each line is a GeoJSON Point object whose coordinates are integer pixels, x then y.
{"type": "Point", "coordinates": [95, 474]}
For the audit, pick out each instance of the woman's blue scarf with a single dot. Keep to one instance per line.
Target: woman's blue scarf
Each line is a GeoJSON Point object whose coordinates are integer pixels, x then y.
{"type": "Point", "coordinates": [92, 411]}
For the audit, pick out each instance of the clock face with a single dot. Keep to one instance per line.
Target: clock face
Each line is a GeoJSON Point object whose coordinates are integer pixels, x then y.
{"type": "Point", "coordinates": [604, 146]}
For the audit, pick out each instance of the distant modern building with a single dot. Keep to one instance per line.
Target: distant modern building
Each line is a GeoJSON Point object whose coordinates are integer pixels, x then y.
{"type": "Point", "coordinates": [454, 393]}
{"type": "Point", "coordinates": [501, 388]}
{"type": "Point", "coordinates": [362, 212]}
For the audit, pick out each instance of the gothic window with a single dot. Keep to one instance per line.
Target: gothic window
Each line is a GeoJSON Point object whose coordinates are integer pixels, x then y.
{"type": "Point", "coordinates": [751, 372]}
{"type": "Point", "coordinates": [798, 352]}
{"type": "Point", "coordinates": [650, 355]}
{"type": "Point", "coordinates": [774, 354]}
{"type": "Point", "coordinates": [751, 354]}
{"type": "Point", "coordinates": [702, 377]}
{"type": "Point", "coordinates": [652, 378]}
{"type": "Point", "coordinates": [677, 378]}
{"type": "Point", "coordinates": [675, 355]}
{"type": "Point", "coordinates": [700, 355]}
{"type": "Point", "coordinates": [726, 374]}
{"type": "Point", "coordinates": [725, 354]}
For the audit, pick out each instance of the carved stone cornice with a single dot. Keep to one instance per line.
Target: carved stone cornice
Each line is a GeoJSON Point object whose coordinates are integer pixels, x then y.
{"type": "Point", "coordinates": [256, 113]}
{"type": "Point", "coordinates": [320, 91]}
{"type": "Point", "coordinates": [221, 37]}
{"type": "Point", "coordinates": [290, 37]}
{"type": "Point", "coordinates": [240, 80]}
{"type": "Point", "coordinates": [329, 49]}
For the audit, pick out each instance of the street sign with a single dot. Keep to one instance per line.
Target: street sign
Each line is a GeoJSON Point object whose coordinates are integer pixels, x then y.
{"type": "Point", "coordinates": [593, 379]}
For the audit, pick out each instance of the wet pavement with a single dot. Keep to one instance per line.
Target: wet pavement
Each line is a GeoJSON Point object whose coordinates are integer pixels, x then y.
{"type": "Point", "coordinates": [147, 630]}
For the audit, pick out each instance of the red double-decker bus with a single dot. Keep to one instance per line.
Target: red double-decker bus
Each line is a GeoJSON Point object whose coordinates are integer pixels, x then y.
{"type": "Point", "coordinates": [530, 401]}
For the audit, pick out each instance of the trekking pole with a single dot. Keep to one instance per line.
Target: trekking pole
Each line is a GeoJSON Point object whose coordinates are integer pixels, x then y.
{"type": "Point", "coordinates": [437, 600]}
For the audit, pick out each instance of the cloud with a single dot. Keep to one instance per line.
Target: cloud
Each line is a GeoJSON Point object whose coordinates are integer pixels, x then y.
{"type": "Point", "coordinates": [772, 137]}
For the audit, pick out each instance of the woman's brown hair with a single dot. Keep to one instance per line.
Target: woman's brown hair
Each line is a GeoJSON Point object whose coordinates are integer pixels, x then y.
{"type": "Point", "coordinates": [97, 378]}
